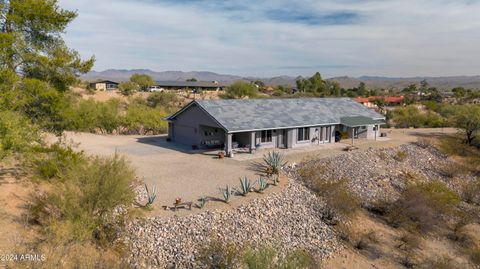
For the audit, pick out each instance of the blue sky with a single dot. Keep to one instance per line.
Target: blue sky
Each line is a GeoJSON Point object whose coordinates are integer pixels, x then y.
{"type": "Point", "coordinates": [281, 37]}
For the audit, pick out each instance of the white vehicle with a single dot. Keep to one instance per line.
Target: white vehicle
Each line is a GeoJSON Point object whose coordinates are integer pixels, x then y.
{"type": "Point", "coordinates": [155, 89]}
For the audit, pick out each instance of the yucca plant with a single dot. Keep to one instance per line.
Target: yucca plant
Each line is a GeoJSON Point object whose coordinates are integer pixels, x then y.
{"type": "Point", "coordinates": [151, 195]}
{"type": "Point", "coordinates": [227, 193]}
{"type": "Point", "coordinates": [262, 184]}
{"type": "Point", "coordinates": [245, 186]}
{"type": "Point", "coordinates": [273, 162]}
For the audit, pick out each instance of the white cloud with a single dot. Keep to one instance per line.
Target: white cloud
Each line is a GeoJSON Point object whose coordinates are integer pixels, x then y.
{"type": "Point", "coordinates": [394, 38]}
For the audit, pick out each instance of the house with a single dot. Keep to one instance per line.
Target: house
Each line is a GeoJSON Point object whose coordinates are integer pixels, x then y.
{"type": "Point", "coordinates": [247, 124]}
{"type": "Point", "coordinates": [190, 85]}
{"type": "Point", "coordinates": [388, 100]}
{"type": "Point", "coordinates": [104, 85]}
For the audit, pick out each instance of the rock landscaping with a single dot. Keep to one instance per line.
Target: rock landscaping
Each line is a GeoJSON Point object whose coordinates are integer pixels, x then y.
{"type": "Point", "coordinates": [289, 219]}
{"type": "Point", "coordinates": [381, 173]}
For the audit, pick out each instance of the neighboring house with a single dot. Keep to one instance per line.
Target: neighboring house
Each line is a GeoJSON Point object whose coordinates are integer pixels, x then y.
{"type": "Point", "coordinates": [244, 125]}
{"type": "Point", "coordinates": [105, 85]}
{"type": "Point", "coordinates": [190, 85]}
{"type": "Point", "coordinates": [388, 100]}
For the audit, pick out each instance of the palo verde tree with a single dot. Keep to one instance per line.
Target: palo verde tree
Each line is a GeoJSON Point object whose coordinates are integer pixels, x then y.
{"type": "Point", "coordinates": [143, 81]}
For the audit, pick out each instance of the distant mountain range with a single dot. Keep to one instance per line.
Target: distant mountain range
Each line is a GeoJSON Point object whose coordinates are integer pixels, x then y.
{"type": "Point", "coordinates": [469, 82]}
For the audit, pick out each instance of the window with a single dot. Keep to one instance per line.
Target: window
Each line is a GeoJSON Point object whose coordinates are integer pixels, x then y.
{"type": "Point", "coordinates": [266, 136]}
{"type": "Point", "coordinates": [303, 134]}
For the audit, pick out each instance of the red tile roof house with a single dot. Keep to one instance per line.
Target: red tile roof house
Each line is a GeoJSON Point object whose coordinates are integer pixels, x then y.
{"type": "Point", "coordinates": [370, 101]}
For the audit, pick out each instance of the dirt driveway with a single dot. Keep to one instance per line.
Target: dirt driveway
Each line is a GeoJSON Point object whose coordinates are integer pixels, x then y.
{"type": "Point", "coordinates": [179, 173]}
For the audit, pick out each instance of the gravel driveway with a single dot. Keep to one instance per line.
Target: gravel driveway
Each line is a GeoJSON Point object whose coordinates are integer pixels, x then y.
{"type": "Point", "coordinates": [178, 173]}
{"type": "Point", "coordinates": [175, 171]}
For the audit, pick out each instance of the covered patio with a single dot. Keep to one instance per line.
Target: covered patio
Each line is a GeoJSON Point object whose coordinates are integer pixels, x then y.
{"type": "Point", "coordinates": [358, 125]}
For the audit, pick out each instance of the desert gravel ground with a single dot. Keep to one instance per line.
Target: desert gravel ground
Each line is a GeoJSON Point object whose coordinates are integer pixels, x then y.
{"type": "Point", "coordinates": [179, 173]}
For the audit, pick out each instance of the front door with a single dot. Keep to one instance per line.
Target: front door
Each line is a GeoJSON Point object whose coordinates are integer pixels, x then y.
{"type": "Point", "coordinates": [281, 138]}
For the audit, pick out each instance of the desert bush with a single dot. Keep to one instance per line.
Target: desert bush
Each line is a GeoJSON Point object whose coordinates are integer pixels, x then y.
{"type": "Point", "coordinates": [471, 191]}
{"type": "Point", "coordinates": [128, 88]}
{"type": "Point", "coordinates": [422, 205]}
{"type": "Point", "coordinates": [53, 161]}
{"type": "Point", "coordinates": [220, 255]}
{"type": "Point", "coordinates": [91, 116]}
{"type": "Point", "coordinates": [338, 197]}
{"type": "Point", "coordinates": [408, 241]}
{"type": "Point", "coordinates": [141, 119]}
{"type": "Point", "coordinates": [268, 258]}
{"type": "Point", "coordinates": [452, 169]}
{"type": "Point", "coordinates": [114, 116]}
{"type": "Point", "coordinates": [79, 209]}
{"type": "Point", "coordinates": [400, 156]}
{"type": "Point", "coordinates": [163, 100]}
{"type": "Point", "coordinates": [340, 200]}
{"type": "Point", "coordinates": [411, 116]}
{"type": "Point", "coordinates": [424, 142]}
{"type": "Point", "coordinates": [17, 134]}
{"type": "Point", "coordinates": [364, 241]}
{"type": "Point", "coordinates": [240, 89]}
{"type": "Point", "coordinates": [475, 255]}
{"type": "Point", "coordinates": [260, 259]}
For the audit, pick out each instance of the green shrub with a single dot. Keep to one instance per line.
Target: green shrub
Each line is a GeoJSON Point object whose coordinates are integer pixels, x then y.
{"type": "Point", "coordinates": [400, 156]}
{"type": "Point", "coordinates": [422, 205]}
{"type": "Point", "coordinates": [115, 116]}
{"type": "Point", "coordinates": [141, 119]}
{"type": "Point", "coordinates": [17, 135]}
{"type": "Point", "coordinates": [411, 116]}
{"type": "Point", "coordinates": [261, 259]}
{"type": "Point", "coordinates": [128, 88]}
{"type": "Point", "coordinates": [338, 197]}
{"type": "Point", "coordinates": [162, 99]}
{"type": "Point", "coordinates": [220, 255]}
{"type": "Point", "coordinates": [53, 161]}
{"type": "Point", "coordinates": [241, 89]}
{"type": "Point", "coordinates": [79, 209]}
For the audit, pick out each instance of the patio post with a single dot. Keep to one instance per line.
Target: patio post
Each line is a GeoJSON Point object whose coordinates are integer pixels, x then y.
{"type": "Point", "coordinates": [228, 145]}
{"type": "Point", "coordinates": [353, 135]}
{"type": "Point", "coordinates": [252, 142]}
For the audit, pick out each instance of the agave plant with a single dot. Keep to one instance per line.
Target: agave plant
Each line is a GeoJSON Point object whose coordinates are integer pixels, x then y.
{"type": "Point", "coordinates": [151, 195]}
{"type": "Point", "coordinates": [201, 202]}
{"type": "Point", "coordinates": [273, 162]}
{"type": "Point", "coordinates": [227, 193]}
{"type": "Point", "coordinates": [245, 186]}
{"type": "Point", "coordinates": [262, 184]}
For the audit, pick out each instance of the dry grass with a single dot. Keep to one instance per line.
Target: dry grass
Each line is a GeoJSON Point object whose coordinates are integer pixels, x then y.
{"type": "Point", "coordinates": [400, 156]}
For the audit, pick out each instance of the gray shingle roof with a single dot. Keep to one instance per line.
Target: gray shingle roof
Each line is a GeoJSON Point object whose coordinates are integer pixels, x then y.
{"type": "Point", "coordinates": [256, 114]}
{"type": "Point", "coordinates": [191, 84]}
